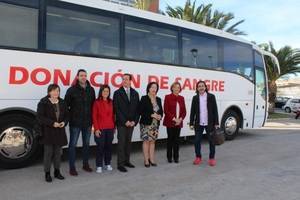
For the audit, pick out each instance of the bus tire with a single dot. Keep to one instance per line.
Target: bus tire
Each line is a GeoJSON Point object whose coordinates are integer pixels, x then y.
{"type": "Point", "coordinates": [19, 145]}
{"type": "Point", "coordinates": [230, 124]}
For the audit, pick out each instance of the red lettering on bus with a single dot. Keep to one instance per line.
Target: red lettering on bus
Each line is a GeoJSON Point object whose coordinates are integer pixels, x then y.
{"type": "Point", "coordinates": [93, 79]}
{"type": "Point", "coordinates": [60, 76]}
{"type": "Point", "coordinates": [164, 81]}
{"type": "Point", "coordinates": [14, 70]}
{"type": "Point", "coordinates": [43, 71]}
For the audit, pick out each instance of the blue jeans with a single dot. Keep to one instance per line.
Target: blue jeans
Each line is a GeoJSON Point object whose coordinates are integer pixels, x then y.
{"type": "Point", "coordinates": [74, 135]}
{"type": "Point", "coordinates": [104, 147]}
{"type": "Point", "coordinates": [198, 139]}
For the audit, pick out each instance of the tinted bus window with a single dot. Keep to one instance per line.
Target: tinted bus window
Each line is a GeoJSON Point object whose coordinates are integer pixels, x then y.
{"type": "Point", "coordinates": [150, 43]}
{"type": "Point", "coordinates": [200, 51]}
{"type": "Point", "coordinates": [79, 32]}
{"type": "Point", "coordinates": [238, 58]}
{"type": "Point", "coordinates": [18, 26]}
{"type": "Point", "coordinates": [258, 60]}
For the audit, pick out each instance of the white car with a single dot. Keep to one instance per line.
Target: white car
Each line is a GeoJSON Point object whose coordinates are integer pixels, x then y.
{"type": "Point", "coordinates": [292, 105]}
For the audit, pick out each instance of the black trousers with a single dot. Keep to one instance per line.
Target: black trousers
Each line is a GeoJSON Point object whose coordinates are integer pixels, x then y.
{"type": "Point", "coordinates": [124, 144]}
{"type": "Point", "coordinates": [173, 142]}
{"type": "Point", "coordinates": [104, 147]}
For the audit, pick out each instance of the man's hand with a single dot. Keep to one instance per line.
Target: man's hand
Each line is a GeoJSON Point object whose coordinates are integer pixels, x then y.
{"type": "Point", "coordinates": [61, 124]}
{"type": "Point", "coordinates": [56, 125]}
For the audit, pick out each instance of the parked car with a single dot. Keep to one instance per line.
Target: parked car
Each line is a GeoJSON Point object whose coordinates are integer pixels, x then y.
{"type": "Point", "coordinates": [292, 105]}
{"type": "Point", "coordinates": [280, 101]}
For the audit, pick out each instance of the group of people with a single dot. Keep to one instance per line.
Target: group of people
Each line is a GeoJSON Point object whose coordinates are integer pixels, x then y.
{"type": "Point", "coordinates": [101, 116]}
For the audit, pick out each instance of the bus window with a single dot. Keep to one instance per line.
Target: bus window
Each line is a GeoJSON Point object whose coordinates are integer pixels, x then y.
{"type": "Point", "coordinates": [200, 51]}
{"type": "Point", "coordinates": [79, 32]}
{"type": "Point", "coordinates": [149, 43]}
{"type": "Point", "coordinates": [238, 58]}
{"type": "Point", "coordinates": [18, 26]}
{"type": "Point", "coordinates": [258, 60]}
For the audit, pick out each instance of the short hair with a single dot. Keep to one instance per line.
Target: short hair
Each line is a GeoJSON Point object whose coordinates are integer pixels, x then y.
{"type": "Point", "coordinates": [129, 75]}
{"type": "Point", "coordinates": [101, 90]}
{"type": "Point", "coordinates": [81, 70]}
{"type": "Point", "coordinates": [175, 83]}
{"type": "Point", "coordinates": [52, 87]}
{"type": "Point", "coordinates": [149, 86]}
{"type": "Point", "coordinates": [206, 90]}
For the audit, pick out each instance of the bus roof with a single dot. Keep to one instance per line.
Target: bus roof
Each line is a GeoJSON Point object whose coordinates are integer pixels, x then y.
{"type": "Point", "coordinates": [113, 7]}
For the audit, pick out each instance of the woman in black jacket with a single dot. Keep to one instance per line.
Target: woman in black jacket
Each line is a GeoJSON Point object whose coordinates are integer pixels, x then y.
{"type": "Point", "coordinates": [204, 115]}
{"type": "Point", "coordinates": [151, 112]}
{"type": "Point", "coordinates": [52, 115]}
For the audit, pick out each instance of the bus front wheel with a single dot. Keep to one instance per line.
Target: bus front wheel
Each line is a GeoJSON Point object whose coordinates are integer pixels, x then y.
{"type": "Point", "coordinates": [19, 146]}
{"type": "Point", "coordinates": [230, 124]}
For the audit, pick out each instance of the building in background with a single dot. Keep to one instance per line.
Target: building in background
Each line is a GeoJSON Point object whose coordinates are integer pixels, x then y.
{"type": "Point", "coordinates": [288, 86]}
{"type": "Point", "coordinates": [150, 5]}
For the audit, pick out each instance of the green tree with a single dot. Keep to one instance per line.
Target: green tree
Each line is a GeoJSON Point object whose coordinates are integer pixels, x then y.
{"type": "Point", "coordinates": [204, 15]}
{"type": "Point", "coordinates": [289, 61]}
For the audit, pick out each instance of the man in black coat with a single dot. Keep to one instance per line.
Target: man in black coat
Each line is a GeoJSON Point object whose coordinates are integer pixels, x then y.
{"type": "Point", "coordinates": [126, 100]}
{"type": "Point", "coordinates": [204, 115]}
{"type": "Point", "coordinates": [79, 99]}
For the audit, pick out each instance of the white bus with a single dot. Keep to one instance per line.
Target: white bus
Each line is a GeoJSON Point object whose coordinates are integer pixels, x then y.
{"type": "Point", "coordinates": [46, 41]}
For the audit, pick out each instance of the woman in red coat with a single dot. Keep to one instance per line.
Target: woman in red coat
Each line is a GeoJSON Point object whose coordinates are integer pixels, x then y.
{"type": "Point", "coordinates": [175, 112]}
{"type": "Point", "coordinates": [104, 125]}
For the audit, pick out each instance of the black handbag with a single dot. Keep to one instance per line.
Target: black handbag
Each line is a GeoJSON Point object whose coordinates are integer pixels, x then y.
{"type": "Point", "coordinates": [217, 136]}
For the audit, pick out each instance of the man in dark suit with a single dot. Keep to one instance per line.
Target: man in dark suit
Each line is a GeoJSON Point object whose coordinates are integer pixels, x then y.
{"type": "Point", "coordinates": [126, 101]}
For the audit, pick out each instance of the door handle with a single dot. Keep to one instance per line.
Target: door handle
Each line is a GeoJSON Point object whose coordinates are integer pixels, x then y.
{"type": "Point", "coordinates": [256, 107]}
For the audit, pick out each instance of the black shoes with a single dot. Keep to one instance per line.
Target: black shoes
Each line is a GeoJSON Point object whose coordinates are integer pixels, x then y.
{"type": "Point", "coordinates": [152, 164]}
{"type": "Point", "coordinates": [175, 160]}
{"type": "Point", "coordinates": [48, 177]}
{"type": "Point", "coordinates": [58, 175]}
{"type": "Point", "coordinates": [146, 165]}
{"type": "Point", "coordinates": [129, 165]}
{"type": "Point", "coordinates": [122, 169]}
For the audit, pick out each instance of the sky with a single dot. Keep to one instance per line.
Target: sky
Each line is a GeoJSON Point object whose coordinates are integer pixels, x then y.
{"type": "Point", "coordinates": [265, 20]}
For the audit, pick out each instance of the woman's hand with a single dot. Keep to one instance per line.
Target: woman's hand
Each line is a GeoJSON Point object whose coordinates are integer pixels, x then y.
{"type": "Point", "coordinates": [158, 117]}
{"type": "Point", "coordinates": [97, 133]}
{"type": "Point", "coordinates": [178, 121]}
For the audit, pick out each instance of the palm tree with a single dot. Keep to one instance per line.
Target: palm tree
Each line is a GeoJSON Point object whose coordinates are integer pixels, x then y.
{"type": "Point", "coordinates": [289, 61]}
{"type": "Point", "coordinates": [204, 14]}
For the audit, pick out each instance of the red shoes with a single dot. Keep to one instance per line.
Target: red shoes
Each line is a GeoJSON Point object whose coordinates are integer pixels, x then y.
{"type": "Point", "coordinates": [197, 161]}
{"type": "Point", "coordinates": [212, 162]}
